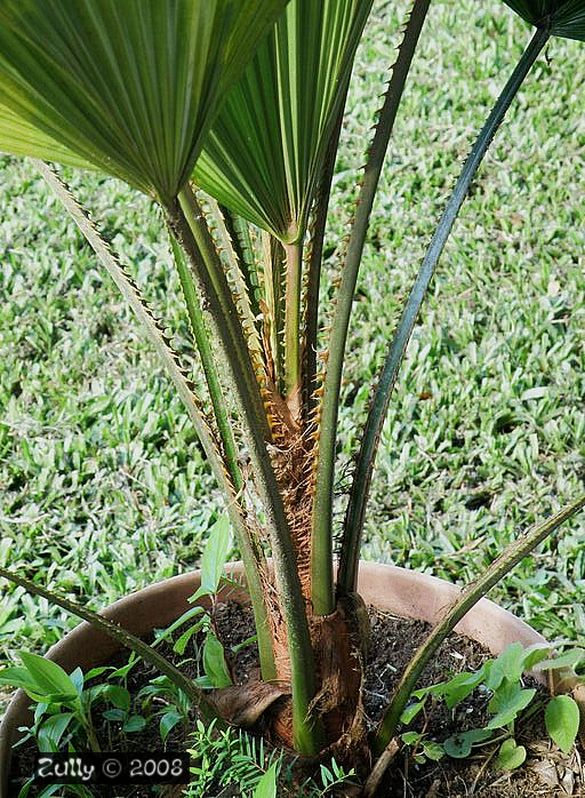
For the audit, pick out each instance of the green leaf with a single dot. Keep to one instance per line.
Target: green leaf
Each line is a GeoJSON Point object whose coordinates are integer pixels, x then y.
{"type": "Point", "coordinates": [507, 703]}
{"type": "Point", "coordinates": [565, 17]}
{"type": "Point", "coordinates": [52, 730]}
{"type": "Point", "coordinates": [570, 659]}
{"type": "Point", "coordinates": [510, 755]}
{"type": "Point", "coordinates": [95, 672]}
{"type": "Point", "coordinates": [117, 715]}
{"type": "Point", "coordinates": [168, 722]}
{"type": "Point", "coordinates": [135, 723]}
{"type": "Point", "coordinates": [433, 750]}
{"type": "Point", "coordinates": [459, 746]}
{"type": "Point", "coordinates": [164, 634]}
{"type": "Point", "coordinates": [508, 665]}
{"type": "Point", "coordinates": [214, 663]}
{"type": "Point", "coordinates": [118, 696]}
{"type": "Point", "coordinates": [535, 654]}
{"type": "Point", "coordinates": [16, 677]}
{"type": "Point", "coordinates": [19, 137]}
{"type": "Point", "coordinates": [266, 148]}
{"type": "Point", "coordinates": [266, 787]}
{"type": "Point", "coordinates": [78, 680]}
{"type": "Point", "coordinates": [411, 738]}
{"type": "Point", "coordinates": [562, 721]}
{"type": "Point", "coordinates": [49, 677]}
{"type": "Point", "coordinates": [183, 641]}
{"type": "Point", "coordinates": [456, 689]}
{"type": "Point", "coordinates": [214, 557]}
{"type": "Point", "coordinates": [411, 712]}
{"type": "Point", "coordinates": [130, 88]}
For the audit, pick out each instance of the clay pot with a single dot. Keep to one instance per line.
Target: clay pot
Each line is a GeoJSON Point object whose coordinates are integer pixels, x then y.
{"type": "Point", "coordinates": [396, 590]}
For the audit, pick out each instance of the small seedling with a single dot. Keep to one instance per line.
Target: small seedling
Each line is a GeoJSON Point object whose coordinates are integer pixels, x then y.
{"type": "Point", "coordinates": [211, 653]}
{"type": "Point", "coordinates": [502, 681]}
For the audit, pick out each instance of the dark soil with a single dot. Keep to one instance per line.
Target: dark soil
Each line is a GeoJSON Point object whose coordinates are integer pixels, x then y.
{"type": "Point", "coordinates": [547, 773]}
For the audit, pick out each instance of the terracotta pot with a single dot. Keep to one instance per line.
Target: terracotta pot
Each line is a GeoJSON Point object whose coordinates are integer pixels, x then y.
{"type": "Point", "coordinates": [401, 592]}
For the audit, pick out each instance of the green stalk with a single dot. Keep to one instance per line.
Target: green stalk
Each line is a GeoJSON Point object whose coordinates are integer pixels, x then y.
{"type": "Point", "coordinates": [201, 336]}
{"type": "Point", "coordinates": [272, 283]}
{"type": "Point", "coordinates": [252, 555]}
{"type": "Point", "coordinates": [468, 598]}
{"type": "Point", "coordinates": [292, 325]}
{"type": "Point", "coordinates": [120, 635]}
{"type": "Point", "coordinates": [157, 337]}
{"type": "Point", "coordinates": [314, 267]}
{"type": "Point", "coordinates": [239, 232]}
{"type": "Point", "coordinates": [354, 520]}
{"type": "Point", "coordinates": [188, 223]}
{"type": "Point", "coordinates": [322, 539]}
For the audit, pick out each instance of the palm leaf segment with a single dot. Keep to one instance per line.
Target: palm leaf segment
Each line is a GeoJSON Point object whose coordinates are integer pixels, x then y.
{"type": "Point", "coordinates": [563, 17]}
{"type": "Point", "coordinates": [130, 88]}
{"type": "Point", "coordinates": [266, 147]}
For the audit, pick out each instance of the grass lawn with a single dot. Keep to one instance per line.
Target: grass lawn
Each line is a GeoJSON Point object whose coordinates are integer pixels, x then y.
{"type": "Point", "coordinates": [103, 488]}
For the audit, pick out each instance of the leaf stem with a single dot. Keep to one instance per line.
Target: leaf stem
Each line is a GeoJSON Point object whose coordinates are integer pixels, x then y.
{"type": "Point", "coordinates": [359, 494]}
{"type": "Point", "coordinates": [157, 337]}
{"type": "Point", "coordinates": [188, 222]}
{"type": "Point", "coordinates": [314, 268]}
{"type": "Point", "coordinates": [252, 555]}
{"type": "Point", "coordinates": [201, 336]}
{"type": "Point", "coordinates": [468, 598]}
{"type": "Point", "coordinates": [322, 538]}
{"type": "Point", "coordinates": [292, 326]}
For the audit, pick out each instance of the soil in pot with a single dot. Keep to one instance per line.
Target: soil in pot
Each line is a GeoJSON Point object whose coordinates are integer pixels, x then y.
{"type": "Point", "coordinates": [547, 773]}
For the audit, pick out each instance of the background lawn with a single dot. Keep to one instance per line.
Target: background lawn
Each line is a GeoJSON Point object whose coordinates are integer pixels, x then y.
{"type": "Point", "coordinates": [103, 488]}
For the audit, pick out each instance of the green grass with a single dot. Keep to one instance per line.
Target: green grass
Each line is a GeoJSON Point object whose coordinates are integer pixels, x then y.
{"type": "Point", "coordinates": [102, 483]}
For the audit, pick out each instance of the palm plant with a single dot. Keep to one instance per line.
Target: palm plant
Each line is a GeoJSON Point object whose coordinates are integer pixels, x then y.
{"type": "Point", "coordinates": [227, 113]}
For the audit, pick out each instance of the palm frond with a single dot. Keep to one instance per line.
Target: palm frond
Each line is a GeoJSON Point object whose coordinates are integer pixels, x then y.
{"type": "Point", "coordinates": [129, 87]}
{"type": "Point", "coordinates": [264, 152]}
{"type": "Point", "coordinates": [561, 17]}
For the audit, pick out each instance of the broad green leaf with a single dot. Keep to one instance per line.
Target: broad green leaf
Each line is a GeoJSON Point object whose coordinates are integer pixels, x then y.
{"type": "Point", "coordinates": [266, 787]}
{"type": "Point", "coordinates": [456, 689]}
{"type": "Point", "coordinates": [135, 723]}
{"type": "Point", "coordinates": [433, 750]}
{"type": "Point", "coordinates": [411, 738]}
{"type": "Point", "coordinates": [168, 722]}
{"type": "Point", "coordinates": [214, 557]}
{"type": "Point", "coordinates": [49, 677]}
{"type": "Point", "coordinates": [117, 715]}
{"type": "Point", "coordinates": [565, 17]}
{"type": "Point", "coordinates": [535, 654]}
{"type": "Point", "coordinates": [117, 695]}
{"type": "Point", "coordinates": [570, 659]}
{"type": "Point", "coordinates": [562, 721]}
{"type": "Point", "coordinates": [411, 712]}
{"type": "Point", "coordinates": [78, 680]}
{"type": "Point", "coordinates": [214, 663]}
{"type": "Point", "coordinates": [265, 150]}
{"type": "Point", "coordinates": [16, 677]}
{"type": "Point", "coordinates": [510, 755]}
{"type": "Point", "coordinates": [52, 730]}
{"type": "Point", "coordinates": [508, 665]}
{"type": "Point", "coordinates": [507, 703]}
{"type": "Point", "coordinates": [129, 87]}
{"type": "Point", "coordinates": [459, 746]}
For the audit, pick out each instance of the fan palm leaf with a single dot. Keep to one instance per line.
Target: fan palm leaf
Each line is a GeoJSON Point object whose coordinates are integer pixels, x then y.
{"type": "Point", "coordinates": [564, 17]}
{"type": "Point", "coordinates": [129, 88]}
{"type": "Point", "coordinates": [266, 147]}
